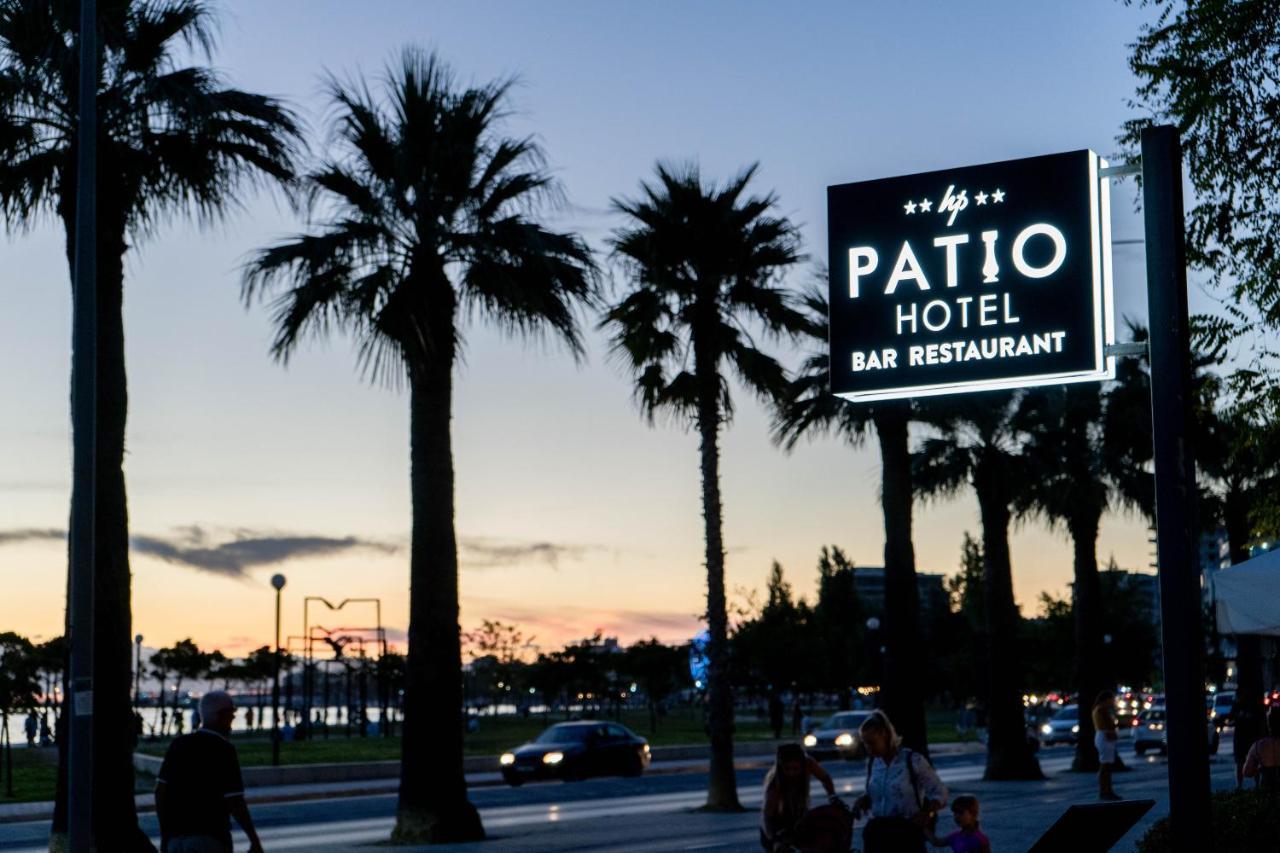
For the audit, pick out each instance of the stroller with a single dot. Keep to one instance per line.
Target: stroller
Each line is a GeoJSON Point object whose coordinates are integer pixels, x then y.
{"type": "Point", "coordinates": [825, 829]}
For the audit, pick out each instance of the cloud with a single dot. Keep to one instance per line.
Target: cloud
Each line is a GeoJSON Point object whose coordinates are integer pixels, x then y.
{"type": "Point", "coordinates": [245, 550]}
{"type": "Point", "coordinates": [478, 552]}
{"type": "Point", "coordinates": [30, 534]}
{"type": "Point", "coordinates": [232, 554]}
{"type": "Point", "coordinates": [567, 623]}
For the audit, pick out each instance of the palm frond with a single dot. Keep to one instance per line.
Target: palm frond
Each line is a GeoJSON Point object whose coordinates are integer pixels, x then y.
{"type": "Point", "coordinates": [702, 265]}
{"type": "Point", "coordinates": [425, 210]}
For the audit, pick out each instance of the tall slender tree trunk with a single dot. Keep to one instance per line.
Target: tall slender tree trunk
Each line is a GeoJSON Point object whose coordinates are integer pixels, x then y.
{"type": "Point", "coordinates": [115, 819]}
{"type": "Point", "coordinates": [722, 783]}
{"type": "Point", "coordinates": [433, 806]}
{"type": "Point", "coordinates": [904, 661]}
{"type": "Point", "coordinates": [1009, 754]}
{"type": "Point", "coordinates": [1090, 678]}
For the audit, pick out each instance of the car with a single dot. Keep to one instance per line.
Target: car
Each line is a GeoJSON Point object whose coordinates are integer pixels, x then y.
{"type": "Point", "coordinates": [1062, 727]}
{"type": "Point", "coordinates": [577, 750]}
{"type": "Point", "coordinates": [1150, 733]}
{"type": "Point", "coordinates": [1222, 712]}
{"type": "Point", "coordinates": [837, 737]}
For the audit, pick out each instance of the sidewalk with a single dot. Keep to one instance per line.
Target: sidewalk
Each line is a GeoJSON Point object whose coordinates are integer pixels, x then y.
{"type": "Point", "coordinates": [1014, 815]}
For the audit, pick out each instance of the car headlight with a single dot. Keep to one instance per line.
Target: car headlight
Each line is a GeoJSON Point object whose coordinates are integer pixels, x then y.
{"type": "Point", "coordinates": [810, 741]}
{"type": "Point", "coordinates": [553, 758]}
{"type": "Point", "coordinates": [845, 739]}
{"type": "Point", "coordinates": [1075, 730]}
{"type": "Point", "coordinates": [1046, 729]}
{"type": "Point", "coordinates": [507, 759]}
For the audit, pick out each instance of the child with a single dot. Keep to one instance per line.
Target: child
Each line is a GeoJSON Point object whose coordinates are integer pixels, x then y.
{"type": "Point", "coordinates": [968, 838]}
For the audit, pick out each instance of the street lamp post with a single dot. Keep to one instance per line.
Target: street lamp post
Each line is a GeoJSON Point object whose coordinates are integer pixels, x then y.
{"type": "Point", "coordinates": [277, 581]}
{"type": "Point", "coordinates": [137, 672]}
{"type": "Point", "coordinates": [877, 653]}
{"type": "Point", "coordinates": [84, 408]}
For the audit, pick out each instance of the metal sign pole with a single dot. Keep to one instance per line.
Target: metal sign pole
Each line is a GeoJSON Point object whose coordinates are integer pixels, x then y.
{"type": "Point", "coordinates": [85, 459]}
{"type": "Point", "coordinates": [1176, 523]}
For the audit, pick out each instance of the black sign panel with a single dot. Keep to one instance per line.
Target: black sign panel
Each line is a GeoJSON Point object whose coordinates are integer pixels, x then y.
{"type": "Point", "coordinates": [993, 276]}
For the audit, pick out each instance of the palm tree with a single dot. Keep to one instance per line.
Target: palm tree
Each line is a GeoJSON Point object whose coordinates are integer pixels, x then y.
{"type": "Point", "coordinates": [172, 139]}
{"type": "Point", "coordinates": [1071, 487]}
{"type": "Point", "coordinates": [810, 409]}
{"type": "Point", "coordinates": [702, 264]}
{"type": "Point", "coordinates": [979, 446]}
{"type": "Point", "coordinates": [424, 214]}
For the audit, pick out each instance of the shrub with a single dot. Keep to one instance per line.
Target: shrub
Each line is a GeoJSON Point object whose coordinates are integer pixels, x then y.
{"type": "Point", "coordinates": [1243, 822]}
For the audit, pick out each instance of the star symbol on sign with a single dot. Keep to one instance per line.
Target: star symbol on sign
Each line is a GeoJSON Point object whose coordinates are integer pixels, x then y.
{"type": "Point", "coordinates": [926, 206]}
{"type": "Point", "coordinates": [980, 198]}
{"type": "Point", "coordinates": [909, 207]}
{"type": "Point", "coordinates": [997, 196]}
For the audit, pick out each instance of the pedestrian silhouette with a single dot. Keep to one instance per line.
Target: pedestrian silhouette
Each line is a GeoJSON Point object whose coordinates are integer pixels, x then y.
{"type": "Point", "coordinates": [1263, 761]}
{"type": "Point", "coordinates": [200, 788]}
{"type": "Point", "coordinates": [777, 713]}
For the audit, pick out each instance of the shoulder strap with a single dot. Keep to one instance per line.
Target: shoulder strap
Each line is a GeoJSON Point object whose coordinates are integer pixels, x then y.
{"type": "Point", "coordinates": [866, 787]}
{"type": "Point", "coordinates": [908, 755]}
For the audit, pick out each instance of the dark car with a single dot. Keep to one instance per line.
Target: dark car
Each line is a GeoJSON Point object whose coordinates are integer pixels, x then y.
{"type": "Point", "coordinates": [838, 737]}
{"type": "Point", "coordinates": [573, 751]}
{"type": "Point", "coordinates": [1223, 709]}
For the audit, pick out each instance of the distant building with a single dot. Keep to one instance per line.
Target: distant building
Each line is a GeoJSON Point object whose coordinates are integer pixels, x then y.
{"type": "Point", "coordinates": [1146, 588]}
{"type": "Point", "coordinates": [869, 583]}
{"type": "Point", "coordinates": [1215, 555]}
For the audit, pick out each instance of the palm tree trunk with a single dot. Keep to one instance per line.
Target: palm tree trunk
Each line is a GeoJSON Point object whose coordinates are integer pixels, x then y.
{"type": "Point", "coordinates": [1009, 755]}
{"type": "Point", "coordinates": [115, 819]}
{"type": "Point", "coordinates": [722, 783]}
{"type": "Point", "coordinates": [1090, 677]}
{"type": "Point", "coordinates": [904, 664]}
{"type": "Point", "coordinates": [433, 806]}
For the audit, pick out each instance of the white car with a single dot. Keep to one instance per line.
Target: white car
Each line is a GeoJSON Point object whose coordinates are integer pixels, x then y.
{"type": "Point", "coordinates": [1150, 733]}
{"type": "Point", "coordinates": [1062, 727]}
{"type": "Point", "coordinates": [838, 737]}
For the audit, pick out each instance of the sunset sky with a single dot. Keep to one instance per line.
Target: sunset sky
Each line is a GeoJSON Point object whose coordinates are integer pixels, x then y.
{"type": "Point", "coordinates": [573, 514]}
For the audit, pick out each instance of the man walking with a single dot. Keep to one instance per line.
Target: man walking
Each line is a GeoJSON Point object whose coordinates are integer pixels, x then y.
{"type": "Point", "coordinates": [199, 788]}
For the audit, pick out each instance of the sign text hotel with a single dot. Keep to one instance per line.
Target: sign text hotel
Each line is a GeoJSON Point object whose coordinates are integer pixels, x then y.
{"type": "Point", "coordinates": [992, 276]}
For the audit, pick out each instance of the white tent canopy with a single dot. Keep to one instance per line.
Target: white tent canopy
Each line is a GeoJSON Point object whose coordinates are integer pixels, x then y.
{"type": "Point", "coordinates": [1248, 596]}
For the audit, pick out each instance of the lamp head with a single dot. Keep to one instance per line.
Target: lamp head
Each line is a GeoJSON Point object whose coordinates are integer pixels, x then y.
{"type": "Point", "coordinates": [277, 581]}
{"type": "Point", "coordinates": [138, 639]}
{"type": "Point", "coordinates": [873, 624]}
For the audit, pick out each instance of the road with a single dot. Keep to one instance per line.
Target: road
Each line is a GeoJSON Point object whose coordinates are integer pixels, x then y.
{"type": "Point", "coordinates": [650, 813]}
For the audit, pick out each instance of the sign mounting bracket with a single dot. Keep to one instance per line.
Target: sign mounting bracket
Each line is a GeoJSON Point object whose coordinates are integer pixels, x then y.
{"type": "Point", "coordinates": [1122, 350]}
{"type": "Point", "coordinates": [1122, 170]}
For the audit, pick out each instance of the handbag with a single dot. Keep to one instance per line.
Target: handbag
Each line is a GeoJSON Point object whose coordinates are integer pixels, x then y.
{"type": "Point", "coordinates": [908, 755]}
{"type": "Point", "coordinates": [892, 835]}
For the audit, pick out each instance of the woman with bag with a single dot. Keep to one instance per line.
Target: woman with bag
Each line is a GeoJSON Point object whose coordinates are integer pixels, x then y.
{"type": "Point", "coordinates": [1263, 760]}
{"type": "Point", "coordinates": [786, 821]}
{"type": "Point", "coordinates": [904, 793]}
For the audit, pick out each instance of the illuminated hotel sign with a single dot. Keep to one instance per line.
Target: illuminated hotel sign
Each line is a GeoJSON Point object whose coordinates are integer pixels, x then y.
{"type": "Point", "coordinates": [995, 276]}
